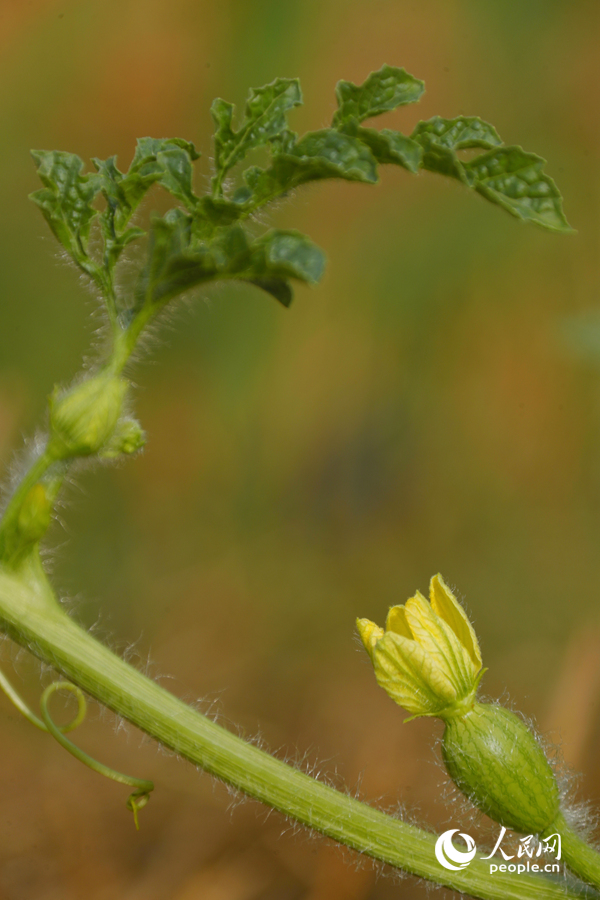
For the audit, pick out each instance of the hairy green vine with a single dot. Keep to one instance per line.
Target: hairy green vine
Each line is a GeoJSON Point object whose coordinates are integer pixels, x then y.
{"type": "Point", "coordinates": [204, 238]}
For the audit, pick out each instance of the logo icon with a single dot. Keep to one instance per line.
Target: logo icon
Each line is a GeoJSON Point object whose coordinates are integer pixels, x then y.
{"type": "Point", "coordinates": [445, 850]}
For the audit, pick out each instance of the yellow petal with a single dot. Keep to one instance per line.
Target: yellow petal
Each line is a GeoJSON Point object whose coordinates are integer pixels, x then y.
{"type": "Point", "coordinates": [441, 645]}
{"type": "Point", "coordinates": [397, 622]}
{"type": "Point", "coordinates": [369, 633]}
{"type": "Point", "coordinates": [406, 673]}
{"type": "Point", "coordinates": [445, 604]}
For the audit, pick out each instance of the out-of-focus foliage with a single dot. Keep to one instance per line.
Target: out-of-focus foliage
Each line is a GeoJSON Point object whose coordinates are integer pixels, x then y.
{"type": "Point", "coordinates": [419, 411]}
{"type": "Point", "coordinates": [207, 240]}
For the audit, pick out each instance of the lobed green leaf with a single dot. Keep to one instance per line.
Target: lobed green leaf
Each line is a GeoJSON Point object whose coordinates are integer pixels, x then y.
{"type": "Point", "coordinates": [216, 212]}
{"type": "Point", "coordinates": [66, 201]}
{"type": "Point", "coordinates": [440, 140]}
{"type": "Point", "coordinates": [392, 147]}
{"type": "Point", "coordinates": [330, 154]}
{"type": "Point", "coordinates": [288, 254]}
{"type": "Point", "coordinates": [507, 176]}
{"type": "Point", "coordinates": [515, 180]}
{"type": "Point", "coordinates": [206, 240]}
{"type": "Point", "coordinates": [169, 162]}
{"type": "Point", "coordinates": [280, 255]}
{"type": "Point", "coordinates": [170, 237]}
{"type": "Point", "coordinates": [383, 91]}
{"type": "Point", "coordinates": [264, 119]}
{"type": "Point", "coordinates": [317, 155]}
{"type": "Point", "coordinates": [123, 193]}
{"type": "Point", "coordinates": [177, 261]}
{"type": "Point", "coordinates": [276, 287]}
{"type": "Point", "coordinates": [148, 149]}
{"type": "Point", "coordinates": [457, 134]}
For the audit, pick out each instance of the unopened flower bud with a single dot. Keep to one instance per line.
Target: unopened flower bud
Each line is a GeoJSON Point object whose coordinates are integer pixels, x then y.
{"type": "Point", "coordinates": [128, 437]}
{"type": "Point", "coordinates": [83, 418]}
{"type": "Point", "coordinates": [428, 658]}
{"type": "Point", "coordinates": [34, 516]}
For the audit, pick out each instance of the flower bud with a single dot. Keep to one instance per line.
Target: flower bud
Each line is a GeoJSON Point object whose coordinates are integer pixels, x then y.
{"type": "Point", "coordinates": [83, 418]}
{"type": "Point", "coordinates": [428, 658]}
{"type": "Point", "coordinates": [128, 437]}
{"type": "Point", "coordinates": [496, 761]}
{"type": "Point", "coordinates": [34, 516]}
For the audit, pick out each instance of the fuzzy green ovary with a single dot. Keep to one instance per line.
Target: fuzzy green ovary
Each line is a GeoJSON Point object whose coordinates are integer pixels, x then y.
{"type": "Point", "coordinates": [84, 418]}
{"type": "Point", "coordinates": [496, 761]}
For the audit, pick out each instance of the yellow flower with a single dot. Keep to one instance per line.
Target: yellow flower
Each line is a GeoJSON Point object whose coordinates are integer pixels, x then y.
{"type": "Point", "coordinates": [428, 658]}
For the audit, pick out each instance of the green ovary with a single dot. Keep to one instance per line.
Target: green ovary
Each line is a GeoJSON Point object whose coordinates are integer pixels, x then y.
{"type": "Point", "coordinates": [496, 761]}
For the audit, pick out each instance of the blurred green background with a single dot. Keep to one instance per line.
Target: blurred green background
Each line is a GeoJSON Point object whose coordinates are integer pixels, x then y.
{"type": "Point", "coordinates": [434, 405]}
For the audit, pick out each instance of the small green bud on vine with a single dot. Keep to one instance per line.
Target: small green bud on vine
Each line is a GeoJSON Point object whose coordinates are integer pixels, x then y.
{"type": "Point", "coordinates": [428, 661]}
{"type": "Point", "coordinates": [128, 438]}
{"type": "Point", "coordinates": [83, 419]}
{"type": "Point", "coordinates": [35, 515]}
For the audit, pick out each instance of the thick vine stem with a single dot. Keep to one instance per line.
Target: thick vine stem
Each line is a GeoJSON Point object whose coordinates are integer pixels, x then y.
{"type": "Point", "coordinates": [583, 860]}
{"type": "Point", "coordinates": [30, 615]}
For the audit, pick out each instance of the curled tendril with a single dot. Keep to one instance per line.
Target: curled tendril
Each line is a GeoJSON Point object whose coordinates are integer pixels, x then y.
{"type": "Point", "coordinates": [138, 798]}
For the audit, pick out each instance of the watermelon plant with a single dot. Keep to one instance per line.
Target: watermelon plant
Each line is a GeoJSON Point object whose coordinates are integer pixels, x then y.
{"type": "Point", "coordinates": [427, 658]}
